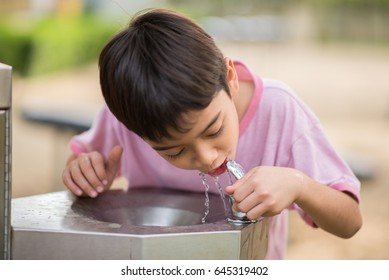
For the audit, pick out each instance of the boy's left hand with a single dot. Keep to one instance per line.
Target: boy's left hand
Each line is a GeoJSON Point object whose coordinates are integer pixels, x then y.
{"type": "Point", "coordinates": [266, 190]}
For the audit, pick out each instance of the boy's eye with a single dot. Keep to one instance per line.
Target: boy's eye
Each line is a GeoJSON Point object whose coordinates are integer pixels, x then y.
{"type": "Point", "coordinates": [175, 156]}
{"type": "Point", "coordinates": [217, 133]}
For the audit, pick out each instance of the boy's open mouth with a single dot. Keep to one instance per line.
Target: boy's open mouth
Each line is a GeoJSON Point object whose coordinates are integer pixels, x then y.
{"type": "Point", "coordinates": [220, 170]}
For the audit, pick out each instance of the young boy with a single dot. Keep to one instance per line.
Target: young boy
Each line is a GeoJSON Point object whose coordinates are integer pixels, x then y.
{"type": "Point", "coordinates": [177, 106]}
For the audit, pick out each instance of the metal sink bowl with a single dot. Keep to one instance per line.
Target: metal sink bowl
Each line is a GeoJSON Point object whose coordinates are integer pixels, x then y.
{"type": "Point", "coordinates": [150, 207]}
{"type": "Point", "coordinates": [141, 223]}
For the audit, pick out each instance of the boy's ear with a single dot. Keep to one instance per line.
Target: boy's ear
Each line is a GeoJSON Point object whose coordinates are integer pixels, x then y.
{"type": "Point", "coordinates": [232, 77]}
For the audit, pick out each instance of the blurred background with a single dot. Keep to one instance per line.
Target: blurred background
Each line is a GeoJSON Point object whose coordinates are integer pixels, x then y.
{"type": "Point", "coordinates": [333, 53]}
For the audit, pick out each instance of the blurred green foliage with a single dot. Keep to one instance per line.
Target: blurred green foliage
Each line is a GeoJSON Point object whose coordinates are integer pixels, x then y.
{"type": "Point", "coordinates": [53, 43]}
{"type": "Point", "coordinates": [15, 48]}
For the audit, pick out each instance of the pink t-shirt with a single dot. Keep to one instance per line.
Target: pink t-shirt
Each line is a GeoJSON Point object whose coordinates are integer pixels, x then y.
{"type": "Point", "coordinates": [278, 129]}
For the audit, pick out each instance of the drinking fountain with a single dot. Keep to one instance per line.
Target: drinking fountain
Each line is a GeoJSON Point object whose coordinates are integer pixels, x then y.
{"type": "Point", "coordinates": [138, 223]}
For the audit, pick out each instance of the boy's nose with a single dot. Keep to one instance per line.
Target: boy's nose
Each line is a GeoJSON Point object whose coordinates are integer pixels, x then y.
{"type": "Point", "coordinates": [205, 156]}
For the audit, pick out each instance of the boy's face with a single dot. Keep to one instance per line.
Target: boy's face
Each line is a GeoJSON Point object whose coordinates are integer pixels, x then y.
{"type": "Point", "coordinates": [210, 137]}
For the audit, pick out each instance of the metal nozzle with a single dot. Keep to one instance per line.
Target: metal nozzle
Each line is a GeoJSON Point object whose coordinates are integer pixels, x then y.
{"type": "Point", "coordinates": [237, 171]}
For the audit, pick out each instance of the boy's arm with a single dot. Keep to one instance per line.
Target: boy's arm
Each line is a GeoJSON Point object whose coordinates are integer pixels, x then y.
{"type": "Point", "coordinates": [330, 209]}
{"type": "Point", "coordinates": [268, 190]}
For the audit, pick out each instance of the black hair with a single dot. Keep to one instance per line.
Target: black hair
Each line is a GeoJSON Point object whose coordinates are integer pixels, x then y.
{"type": "Point", "coordinates": [159, 67]}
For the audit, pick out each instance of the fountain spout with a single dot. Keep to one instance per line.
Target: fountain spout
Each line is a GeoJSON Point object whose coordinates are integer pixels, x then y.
{"type": "Point", "coordinates": [237, 217]}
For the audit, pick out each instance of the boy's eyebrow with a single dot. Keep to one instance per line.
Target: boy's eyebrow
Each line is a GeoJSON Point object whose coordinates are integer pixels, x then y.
{"type": "Point", "coordinates": [163, 148]}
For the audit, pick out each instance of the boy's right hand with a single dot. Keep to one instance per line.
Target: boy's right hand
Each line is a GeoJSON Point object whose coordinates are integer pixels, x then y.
{"type": "Point", "coordinates": [89, 174]}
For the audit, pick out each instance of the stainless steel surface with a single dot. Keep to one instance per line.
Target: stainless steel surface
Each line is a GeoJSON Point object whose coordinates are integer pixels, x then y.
{"type": "Point", "coordinates": [5, 160]}
{"type": "Point", "coordinates": [150, 207]}
{"type": "Point", "coordinates": [5, 86]}
{"type": "Point", "coordinates": [237, 170]}
{"type": "Point", "coordinates": [144, 223]}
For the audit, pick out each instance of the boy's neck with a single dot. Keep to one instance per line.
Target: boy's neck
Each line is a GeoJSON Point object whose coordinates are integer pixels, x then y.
{"type": "Point", "coordinates": [243, 98]}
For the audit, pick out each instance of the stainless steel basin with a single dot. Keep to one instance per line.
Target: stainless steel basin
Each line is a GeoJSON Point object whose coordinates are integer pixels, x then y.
{"type": "Point", "coordinates": [150, 207]}
{"type": "Point", "coordinates": [141, 223]}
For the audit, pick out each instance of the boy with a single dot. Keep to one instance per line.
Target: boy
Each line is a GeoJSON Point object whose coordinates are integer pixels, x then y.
{"type": "Point", "coordinates": [177, 106]}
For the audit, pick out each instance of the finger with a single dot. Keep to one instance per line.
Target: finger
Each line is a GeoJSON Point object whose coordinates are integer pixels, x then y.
{"type": "Point", "coordinates": [80, 180]}
{"type": "Point", "coordinates": [232, 188]}
{"type": "Point", "coordinates": [250, 202]}
{"type": "Point", "coordinates": [254, 206]}
{"type": "Point", "coordinates": [235, 191]}
{"type": "Point", "coordinates": [88, 170]}
{"type": "Point", "coordinates": [238, 183]}
{"type": "Point", "coordinates": [256, 212]}
{"type": "Point", "coordinates": [269, 207]}
{"type": "Point", "coordinates": [98, 165]}
{"type": "Point", "coordinates": [113, 161]}
{"type": "Point", "coordinates": [69, 183]}
{"type": "Point", "coordinates": [244, 188]}
{"type": "Point", "coordinates": [229, 189]}
{"type": "Point", "coordinates": [260, 210]}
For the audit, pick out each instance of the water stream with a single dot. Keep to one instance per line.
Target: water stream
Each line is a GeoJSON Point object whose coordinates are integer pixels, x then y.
{"type": "Point", "coordinates": [222, 196]}
{"type": "Point", "coordinates": [206, 203]}
{"type": "Point", "coordinates": [221, 192]}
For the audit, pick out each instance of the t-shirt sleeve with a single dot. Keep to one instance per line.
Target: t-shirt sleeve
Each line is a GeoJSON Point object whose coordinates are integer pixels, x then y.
{"type": "Point", "coordinates": [102, 136]}
{"type": "Point", "coordinates": [313, 154]}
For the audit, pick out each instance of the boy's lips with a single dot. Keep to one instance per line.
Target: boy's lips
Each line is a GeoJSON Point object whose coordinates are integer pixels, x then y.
{"type": "Point", "coordinates": [220, 170]}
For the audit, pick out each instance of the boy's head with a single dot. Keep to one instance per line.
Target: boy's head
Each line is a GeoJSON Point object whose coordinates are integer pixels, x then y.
{"type": "Point", "coordinates": [160, 67]}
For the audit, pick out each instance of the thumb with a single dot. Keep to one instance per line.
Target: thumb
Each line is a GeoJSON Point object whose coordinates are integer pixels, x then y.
{"type": "Point", "coordinates": [113, 161]}
{"type": "Point", "coordinates": [229, 189]}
